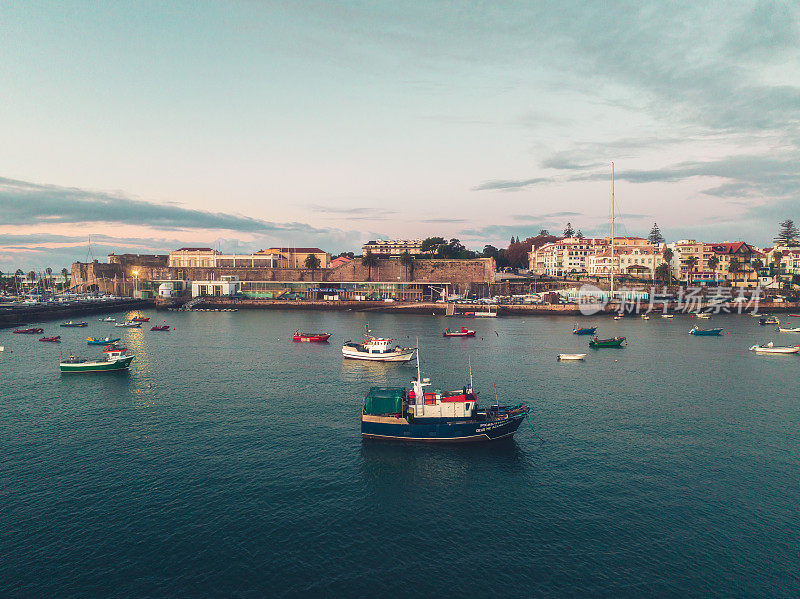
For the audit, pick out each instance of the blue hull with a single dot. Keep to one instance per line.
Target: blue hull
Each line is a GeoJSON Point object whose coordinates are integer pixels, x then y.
{"type": "Point", "coordinates": [458, 431]}
{"type": "Point", "coordinates": [584, 331]}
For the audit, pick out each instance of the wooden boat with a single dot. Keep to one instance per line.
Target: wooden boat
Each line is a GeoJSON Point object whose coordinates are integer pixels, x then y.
{"type": "Point", "coordinates": [32, 331]}
{"type": "Point", "coordinates": [376, 349]}
{"type": "Point", "coordinates": [613, 342]}
{"type": "Point", "coordinates": [114, 360]}
{"type": "Point", "coordinates": [310, 337]}
{"type": "Point", "coordinates": [576, 330]}
{"type": "Point", "coordinates": [141, 319]}
{"type": "Point", "coordinates": [464, 332]}
{"type": "Point", "coordinates": [163, 327]}
{"type": "Point", "coordinates": [95, 341]}
{"type": "Point", "coordinates": [69, 323]}
{"type": "Point", "coordinates": [394, 413]}
{"type": "Point", "coordinates": [563, 357]}
{"type": "Point", "coordinates": [705, 332]}
{"type": "Point", "coordinates": [128, 325]}
{"type": "Point", "coordinates": [791, 330]}
{"type": "Point", "coordinates": [56, 339]}
{"type": "Point", "coordinates": [771, 348]}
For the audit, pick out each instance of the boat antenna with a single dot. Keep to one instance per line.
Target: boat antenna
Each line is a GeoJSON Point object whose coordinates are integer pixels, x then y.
{"type": "Point", "coordinates": [612, 232]}
{"type": "Point", "coordinates": [419, 375]}
{"type": "Point", "coordinates": [469, 361]}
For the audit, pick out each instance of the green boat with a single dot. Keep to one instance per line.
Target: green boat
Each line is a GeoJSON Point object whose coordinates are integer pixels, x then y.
{"type": "Point", "coordinates": [114, 359]}
{"type": "Point", "coordinates": [613, 342]}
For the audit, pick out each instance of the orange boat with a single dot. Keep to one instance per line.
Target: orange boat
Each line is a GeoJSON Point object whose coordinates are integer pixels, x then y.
{"type": "Point", "coordinates": [311, 337]}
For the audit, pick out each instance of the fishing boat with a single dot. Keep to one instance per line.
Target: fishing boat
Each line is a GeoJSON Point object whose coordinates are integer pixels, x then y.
{"type": "Point", "coordinates": [128, 325]}
{"type": "Point", "coordinates": [789, 330]}
{"type": "Point", "coordinates": [765, 320]}
{"type": "Point", "coordinates": [667, 316]}
{"type": "Point", "coordinates": [107, 319]}
{"type": "Point", "coordinates": [376, 349]}
{"type": "Point", "coordinates": [33, 331]}
{"type": "Point", "coordinates": [56, 339]}
{"type": "Point", "coordinates": [645, 317]}
{"type": "Point", "coordinates": [70, 323]}
{"type": "Point", "coordinates": [771, 348]}
{"type": "Point", "coordinates": [563, 357]}
{"type": "Point", "coordinates": [163, 327]}
{"type": "Point", "coordinates": [394, 413]}
{"type": "Point", "coordinates": [112, 360]}
{"type": "Point", "coordinates": [310, 337]}
{"type": "Point", "coordinates": [619, 317]}
{"type": "Point", "coordinates": [697, 331]}
{"type": "Point", "coordinates": [576, 330]}
{"type": "Point", "coordinates": [95, 341]}
{"type": "Point", "coordinates": [613, 342]}
{"type": "Point", "coordinates": [795, 315]}
{"type": "Point", "coordinates": [464, 332]}
{"type": "Point", "coordinates": [141, 319]}
{"type": "Point", "coordinates": [702, 315]}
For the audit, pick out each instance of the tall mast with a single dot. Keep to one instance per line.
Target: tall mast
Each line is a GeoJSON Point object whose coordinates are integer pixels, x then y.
{"type": "Point", "coordinates": [612, 231]}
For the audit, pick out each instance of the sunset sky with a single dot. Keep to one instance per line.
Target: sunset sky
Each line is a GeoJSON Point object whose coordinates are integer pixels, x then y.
{"type": "Point", "coordinates": [150, 125]}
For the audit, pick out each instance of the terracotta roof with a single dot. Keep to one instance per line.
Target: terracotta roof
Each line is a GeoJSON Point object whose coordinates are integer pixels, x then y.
{"type": "Point", "coordinates": [728, 247]}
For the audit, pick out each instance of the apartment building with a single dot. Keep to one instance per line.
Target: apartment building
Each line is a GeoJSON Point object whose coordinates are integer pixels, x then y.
{"type": "Point", "coordinates": [393, 247]}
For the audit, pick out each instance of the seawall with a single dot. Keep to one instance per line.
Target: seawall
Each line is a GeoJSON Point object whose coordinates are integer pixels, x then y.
{"type": "Point", "coordinates": [23, 313]}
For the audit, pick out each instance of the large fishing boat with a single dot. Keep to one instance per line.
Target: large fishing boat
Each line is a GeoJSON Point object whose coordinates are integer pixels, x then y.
{"type": "Point", "coordinates": [394, 413]}
{"type": "Point", "coordinates": [376, 349]}
{"type": "Point", "coordinates": [114, 359]}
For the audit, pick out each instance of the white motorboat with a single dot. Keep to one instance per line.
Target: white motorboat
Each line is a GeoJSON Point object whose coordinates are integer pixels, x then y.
{"type": "Point", "coordinates": [107, 319]}
{"type": "Point", "coordinates": [701, 315]}
{"type": "Point", "coordinates": [129, 325]}
{"type": "Point", "coordinates": [792, 330]}
{"type": "Point", "coordinates": [771, 348]}
{"type": "Point", "coordinates": [564, 357]}
{"type": "Point", "coordinates": [667, 316]}
{"type": "Point", "coordinates": [377, 349]}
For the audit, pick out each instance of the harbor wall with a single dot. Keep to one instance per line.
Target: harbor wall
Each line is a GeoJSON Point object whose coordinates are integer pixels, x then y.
{"type": "Point", "coordinates": [12, 316]}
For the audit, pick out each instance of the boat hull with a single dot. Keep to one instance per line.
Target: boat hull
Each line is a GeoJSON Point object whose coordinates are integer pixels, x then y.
{"type": "Point", "coordinates": [401, 356]}
{"type": "Point", "coordinates": [709, 333]}
{"type": "Point", "coordinates": [311, 338]}
{"type": "Point", "coordinates": [463, 431]}
{"type": "Point", "coordinates": [122, 364]}
{"type": "Point", "coordinates": [101, 341]}
{"type": "Point", "coordinates": [584, 331]}
{"type": "Point", "coordinates": [607, 343]}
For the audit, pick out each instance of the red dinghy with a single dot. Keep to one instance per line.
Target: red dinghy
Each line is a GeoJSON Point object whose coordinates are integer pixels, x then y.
{"type": "Point", "coordinates": [464, 332]}
{"type": "Point", "coordinates": [311, 337]}
{"type": "Point", "coordinates": [56, 339]}
{"type": "Point", "coordinates": [163, 327]}
{"type": "Point", "coordinates": [141, 319]}
{"type": "Point", "coordinates": [29, 331]}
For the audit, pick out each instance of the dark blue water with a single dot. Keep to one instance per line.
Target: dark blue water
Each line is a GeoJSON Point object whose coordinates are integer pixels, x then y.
{"type": "Point", "coordinates": [229, 463]}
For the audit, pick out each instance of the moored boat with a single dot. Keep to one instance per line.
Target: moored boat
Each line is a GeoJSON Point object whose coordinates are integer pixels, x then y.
{"type": "Point", "coordinates": [310, 337]}
{"type": "Point", "coordinates": [141, 319]}
{"type": "Point", "coordinates": [95, 341]}
{"type": "Point", "coordinates": [789, 330]}
{"type": "Point", "coordinates": [702, 315]}
{"type": "Point", "coordinates": [113, 360]}
{"type": "Point", "coordinates": [32, 331]}
{"type": "Point", "coordinates": [107, 319]}
{"type": "Point", "coordinates": [70, 323]}
{"type": "Point", "coordinates": [612, 342]}
{"type": "Point", "coordinates": [394, 413]}
{"type": "Point", "coordinates": [376, 349]}
{"type": "Point", "coordinates": [576, 330]}
{"type": "Point", "coordinates": [771, 348]}
{"type": "Point", "coordinates": [562, 357]}
{"type": "Point", "coordinates": [56, 339]}
{"type": "Point", "coordinates": [128, 325]}
{"type": "Point", "coordinates": [765, 320]}
{"type": "Point", "coordinates": [667, 316]}
{"type": "Point", "coordinates": [697, 331]}
{"type": "Point", "coordinates": [464, 332]}
{"type": "Point", "coordinates": [163, 327]}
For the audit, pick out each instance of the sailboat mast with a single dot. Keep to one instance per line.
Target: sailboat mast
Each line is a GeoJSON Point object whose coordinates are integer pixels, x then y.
{"type": "Point", "coordinates": [612, 231]}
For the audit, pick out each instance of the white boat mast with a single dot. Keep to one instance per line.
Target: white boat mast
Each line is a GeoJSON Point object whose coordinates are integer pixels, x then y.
{"type": "Point", "coordinates": [612, 232]}
{"type": "Point", "coordinates": [419, 384]}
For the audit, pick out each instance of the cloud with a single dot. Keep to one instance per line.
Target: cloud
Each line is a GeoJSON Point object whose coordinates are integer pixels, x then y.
{"type": "Point", "coordinates": [543, 217]}
{"type": "Point", "coordinates": [510, 185]}
{"type": "Point", "coordinates": [501, 233]}
{"type": "Point", "coordinates": [354, 213]}
{"type": "Point", "coordinates": [25, 203]}
{"type": "Point", "coordinates": [443, 220]}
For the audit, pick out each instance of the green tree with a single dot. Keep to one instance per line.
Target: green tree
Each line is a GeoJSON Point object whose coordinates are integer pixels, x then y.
{"type": "Point", "coordinates": [777, 256]}
{"type": "Point", "coordinates": [544, 233]}
{"type": "Point", "coordinates": [568, 230]}
{"type": "Point", "coordinates": [407, 260]}
{"type": "Point", "coordinates": [312, 263]}
{"type": "Point", "coordinates": [734, 267]}
{"type": "Point", "coordinates": [668, 255]}
{"type": "Point", "coordinates": [431, 244]}
{"type": "Point", "coordinates": [370, 261]}
{"type": "Point", "coordinates": [655, 236]}
{"type": "Point", "coordinates": [713, 262]}
{"type": "Point", "coordinates": [692, 264]}
{"type": "Point", "coordinates": [788, 235]}
{"type": "Point", "coordinates": [757, 265]}
{"type": "Point", "coordinates": [663, 272]}
{"type": "Point", "coordinates": [579, 234]}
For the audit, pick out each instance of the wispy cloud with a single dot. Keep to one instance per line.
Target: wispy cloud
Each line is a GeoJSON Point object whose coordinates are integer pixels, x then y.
{"type": "Point", "coordinates": [545, 217]}
{"type": "Point", "coordinates": [510, 185]}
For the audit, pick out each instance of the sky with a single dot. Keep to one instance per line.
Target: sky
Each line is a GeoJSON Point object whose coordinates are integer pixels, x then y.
{"type": "Point", "coordinates": [147, 126]}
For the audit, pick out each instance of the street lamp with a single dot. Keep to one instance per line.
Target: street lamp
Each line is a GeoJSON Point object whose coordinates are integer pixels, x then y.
{"type": "Point", "coordinates": [136, 282]}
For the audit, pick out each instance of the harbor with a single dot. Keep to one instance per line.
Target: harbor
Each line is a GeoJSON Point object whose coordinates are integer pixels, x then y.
{"type": "Point", "coordinates": [190, 441]}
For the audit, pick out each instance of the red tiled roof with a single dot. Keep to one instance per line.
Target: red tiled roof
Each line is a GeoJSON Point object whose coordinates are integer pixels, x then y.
{"type": "Point", "coordinates": [728, 247]}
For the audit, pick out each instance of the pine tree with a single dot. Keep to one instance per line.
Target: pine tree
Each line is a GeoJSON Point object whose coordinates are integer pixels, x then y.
{"type": "Point", "coordinates": [655, 236]}
{"type": "Point", "coordinates": [788, 235]}
{"type": "Point", "coordinates": [579, 234]}
{"type": "Point", "coordinates": [568, 230]}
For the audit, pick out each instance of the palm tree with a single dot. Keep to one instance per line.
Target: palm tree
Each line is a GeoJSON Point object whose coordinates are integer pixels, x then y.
{"type": "Point", "coordinates": [662, 272]}
{"type": "Point", "coordinates": [777, 256]}
{"type": "Point", "coordinates": [713, 262]}
{"type": "Point", "coordinates": [407, 260]}
{"type": "Point", "coordinates": [17, 275]}
{"type": "Point", "coordinates": [757, 265]}
{"type": "Point", "coordinates": [668, 255]}
{"type": "Point", "coordinates": [65, 272]}
{"type": "Point", "coordinates": [312, 264]}
{"type": "Point", "coordinates": [692, 264]}
{"type": "Point", "coordinates": [734, 267]}
{"type": "Point", "coordinates": [369, 260]}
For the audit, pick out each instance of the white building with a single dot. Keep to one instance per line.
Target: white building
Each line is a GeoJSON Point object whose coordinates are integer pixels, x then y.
{"type": "Point", "coordinates": [393, 247]}
{"type": "Point", "coordinates": [568, 255]}
{"type": "Point", "coordinates": [227, 285]}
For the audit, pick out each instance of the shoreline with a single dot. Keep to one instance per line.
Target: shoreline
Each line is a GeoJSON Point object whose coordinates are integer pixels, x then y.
{"type": "Point", "coordinates": [11, 316]}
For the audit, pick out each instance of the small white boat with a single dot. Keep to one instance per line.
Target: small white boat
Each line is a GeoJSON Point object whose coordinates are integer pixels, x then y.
{"type": "Point", "coordinates": [645, 317]}
{"type": "Point", "coordinates": [702, 316]}
{"type": "Point", "coordinates": [571, 357]}
{"type": "Point", "coordinates": [2, 348]}
{"type": "Point", "coordinates": [377, 349]}
{"type": "Point", "coordinates": [129, 325]}
{"type": "Point", "coordinates": [770, 348]}
{"type": "Point", "coordinates": [792, 330]}
{"type": "Point", "coordinates": [667, 316]}
{"type": "Point", "coordinates": [618, 317]}
{"type": "Point", "coordinates": [107, 319]}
